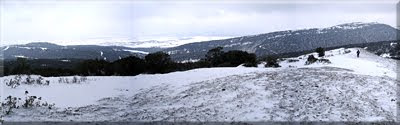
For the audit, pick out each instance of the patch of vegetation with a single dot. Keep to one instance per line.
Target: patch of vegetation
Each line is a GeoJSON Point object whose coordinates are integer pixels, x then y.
{"type": "Point", "coordinates": [272, 62]}
{"type": "Point", "coordinates": [11, 103]}
{"type": "Point", "coordinates": [320, 51]}
{"type": "Point", "coordinates": [28, 80]}
{"type": "Point", "coordinates": [73, 80]}
{"type": "Point", "coordinates": [311, 59]}
{"type": "Point", "coordinates": [158, 62]}
{"type": "Point", "coordinates": [292, 60]}
{"type": "Point", "coordinates": [325, 61]}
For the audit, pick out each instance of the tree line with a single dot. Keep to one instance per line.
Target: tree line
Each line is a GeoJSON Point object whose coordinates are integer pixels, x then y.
{"type": "Point", "coordinates": [158, 62]}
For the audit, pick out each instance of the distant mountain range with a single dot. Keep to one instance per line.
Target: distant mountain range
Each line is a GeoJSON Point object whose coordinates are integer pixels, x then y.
{"type": "Point", "coordinates": [262, 44]}
{"type": "Point", "coordinates": [43, 50]}
{"type": "Point", "coordinates": [292, 41]}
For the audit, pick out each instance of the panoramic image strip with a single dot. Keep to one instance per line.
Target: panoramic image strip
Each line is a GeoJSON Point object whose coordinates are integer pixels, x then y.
{"type": "Point", "coordinates": [223, 61]}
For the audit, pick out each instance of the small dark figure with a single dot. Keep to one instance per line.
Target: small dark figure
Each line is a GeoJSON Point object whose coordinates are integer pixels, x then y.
{"type": "Point", "coordinates": [26, 92]}
{"type": "Point", "coordinates": [358, 53]}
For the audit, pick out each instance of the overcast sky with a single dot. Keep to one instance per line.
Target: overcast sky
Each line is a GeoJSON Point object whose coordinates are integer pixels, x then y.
{"type": "Point", "coordinates": [75, 21]}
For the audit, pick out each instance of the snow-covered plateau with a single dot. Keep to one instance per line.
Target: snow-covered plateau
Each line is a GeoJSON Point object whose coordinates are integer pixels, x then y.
{"type": "Point", "coordinates": [163, 42]}
{"type": "Point", "coordinates": [347, 89]}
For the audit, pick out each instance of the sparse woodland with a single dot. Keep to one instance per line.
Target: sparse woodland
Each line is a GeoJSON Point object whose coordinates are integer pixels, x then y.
{"type": "Point", "coordinates": [158, 62]}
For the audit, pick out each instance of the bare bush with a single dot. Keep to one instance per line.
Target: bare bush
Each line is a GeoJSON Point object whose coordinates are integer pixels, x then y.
{"type": "Point", "coordinates": [11, 103]}
{"type": "Point", "coordinates": [29, 80]}
{"type": "Point", "coordinates": [292, 60]}
{"type": "Point", "coordinates": [311, 59]}
{"type": "Point", "coordinates": [325, 61]}
{"type": "Point", "coordinates": [74, 79]}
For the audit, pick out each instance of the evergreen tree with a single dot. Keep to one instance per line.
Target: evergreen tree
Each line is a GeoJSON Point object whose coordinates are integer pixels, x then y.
{"type": "Point", "coordinates": [95, 67]}
{"type": "Point", "coordinates": [236, 57]}
{"type": "Point", "coordinates": [311, 59]}
{"type": "Point", "coordinates": [214, 56]}
{"type": "Point", "coordinates": [158, 62]}
{"type": "Point", "coordinates": [129, 66]}
{"type": "Point", "coordinates": [272, 61]}
{"type": "Point", "coordinates": [320, 51]}
{"type": "Point", "coordinates": [22, 67]}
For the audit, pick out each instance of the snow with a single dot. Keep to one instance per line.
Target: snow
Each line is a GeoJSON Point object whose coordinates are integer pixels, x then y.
{"type": "Point", "coordinates": [20, 56]}
{"type": "Point", "coordinates": [100, 86]}
{"type": "Point", "coordinates": [163, 42]}
{"type": "Point", "coordinates": [43, 48]}
{"type": "Point", "coordinates": [190, 60]}
{"type": "Point", "coordinates": [346, 26]}
{"type": "Point", "coordinates": [348, 89]}
{"type": "Point", "coordinates": [280, 35]}
{"type": "Point", "coordinates": [246, 43]}
{"type": "Point", "coordinates": [367, 64]}
{"type": "Point", "coordinates": [172, 52]}
{"type": "Point", "coordinates": [237, 44]}
{"type": "Point", "coordinates": [65, 60]}
{"type": "Point", "coordinates": [386, 55]}
{"type": "Point", "coordinates": [25, 47]}
{"type": "Point", "coordinates": [321, 31]}
{"type": "Point", "coordinates": [7, 47]}
{"type": "Point", "coordinates": [355, 25]}
{"type": "Point", "coordinates": [135, 51]}
{"type": "Point", "coordinates": [101, 53]}
{"type": "Point", "coordinates": [393, 44]}
{"type": "Point", "coordinates": [233, 44]}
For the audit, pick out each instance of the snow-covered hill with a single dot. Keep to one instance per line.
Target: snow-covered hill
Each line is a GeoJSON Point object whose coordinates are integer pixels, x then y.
{"type": "Point", "coordinates": [348, 89]}
{"type": "Point", "coordinates": [289, 41]}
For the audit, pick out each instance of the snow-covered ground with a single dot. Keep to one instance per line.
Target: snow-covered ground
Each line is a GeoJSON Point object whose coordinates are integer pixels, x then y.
{"type": "Point", "coordinates": [348, 89]}
{"type": "Point", "coordinates": [367, 64]}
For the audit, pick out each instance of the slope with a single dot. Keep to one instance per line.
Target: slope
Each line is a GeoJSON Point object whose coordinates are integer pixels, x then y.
{"type": "Point", "coordinates": [348, 89]}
